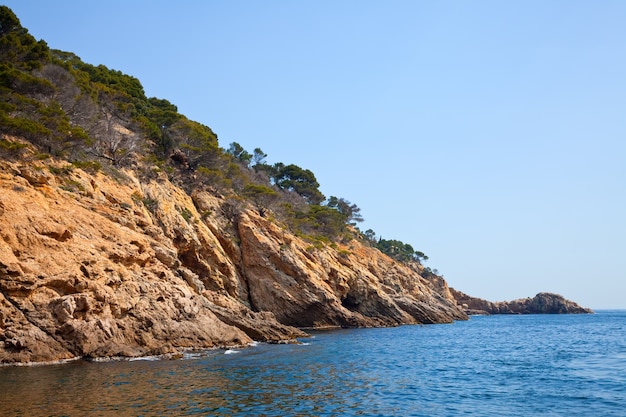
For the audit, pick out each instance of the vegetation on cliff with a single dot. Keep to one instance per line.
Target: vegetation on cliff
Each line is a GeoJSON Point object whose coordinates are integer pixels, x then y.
{"type": "Point", "coordinates": [97, 117]}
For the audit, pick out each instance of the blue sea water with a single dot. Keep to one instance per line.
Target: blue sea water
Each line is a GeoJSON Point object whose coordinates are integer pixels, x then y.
{"type": "Point", "coordinates": [536, 365]}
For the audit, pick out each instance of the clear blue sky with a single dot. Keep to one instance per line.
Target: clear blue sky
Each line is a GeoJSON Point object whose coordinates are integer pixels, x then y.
{"type": "Point", "coordinates": [491, 135]}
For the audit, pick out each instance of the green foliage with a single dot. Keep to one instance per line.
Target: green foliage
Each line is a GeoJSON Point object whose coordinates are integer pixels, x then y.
{"type": "Point", "coordinates": [136, 197]}
{"type": "Point", "coordinates": [24, 113]}
{"type": "Point", "coordinates": [9, 23]}
{"type": "Point", "coordinates": [11, 146]}
{"type": "Point", "coordinates": [17, 45]}
{"type": "Point", "coordinates": [428, 272]}
{"type": "Point", "coordinates": [150, 203]}
{"type": "Point", "coordinates": [318, 241]}
{"type": "Point", "coordinates": [214, 177]}
{"type": "Point", "coordinates": [315, 220]}
{"type": "Point", "coordinates": [186, 213]}
{"type": "Point", "coordinates": [261, 195]}
{"type": "Point", "coordinates": [302, 181]}
{"type": "Point", "coordinates": [127, 86]}
{"type": "Point", "coordinates": [197, 143]}
{"type": "Point", "coordinates": [258, 157]}
{"type": "Point", "coordinates": [325, 220]}
{"type": "Point", "coordinates": [72, 186]}
{"type": "Point", "coordinates": [370, 237]}
{"type": "Point", "coordinates": [343, 253]}
{"type": "Point", "coordinates": [400, 251]}
{"type": "Point", "coordinates": [74, 110]}
{"type": "Point", "coordinates": [395, 249]}
{"type": "Point", "coordinates": [159, 118]}
{"type": "Point", "coordinates": [239, 153]}
{"type": "Point", "coordinates": [89, 166]}
{"type": "Point", "coordinates": [265, 169]}
{"type": "Point", "coordinates": [19, 81]}
{"type": "Point", "coordinates": [65, 170]}
{"type": "Point", "coordinates": [350, 212]}
{"type": "Point", "coordinates": [21, 126]}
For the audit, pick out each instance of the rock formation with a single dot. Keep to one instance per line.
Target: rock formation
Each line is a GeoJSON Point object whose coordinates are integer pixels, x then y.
{"type": "Point", "coordinates": [95, 265]}
{"type": "Point", "coordinates": [542, 303]}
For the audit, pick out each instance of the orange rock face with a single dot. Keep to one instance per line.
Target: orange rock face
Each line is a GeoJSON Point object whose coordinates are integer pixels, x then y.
{"type": "Point", "coordinates": [95, 265]}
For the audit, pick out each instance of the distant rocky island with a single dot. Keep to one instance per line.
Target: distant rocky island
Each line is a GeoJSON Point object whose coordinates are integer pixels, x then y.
{"type": "Point", "coordinates": [126, 230]}
{"type": "Point", "coordinates": [542, 303]}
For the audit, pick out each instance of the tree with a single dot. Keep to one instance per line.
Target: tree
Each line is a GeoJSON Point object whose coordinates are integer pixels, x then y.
{"type": "Point", "coordinates": [163, 115]}
{"type": "Point", "coordinates": [326, 220]}
{"type": "Point", "coordinates": [350, 211]}
{"type": "Point", "coordinates": [400, 251]}
{"type": "Point", "coordinates": [370, 236]}
{"type": "Point", "coordinates": [258, 157]}
{"type": "Point", "coordinates": [9, 23]}
{"type": "Point", "coordinates": [197, 142]}
{"type": "Point", "coordinates": [420, 256]}
{"type": "Point", "coordinates": [17, 45]}
{"type": "Point", "coordinates": [239, 153]}
{"type": "Point", "coordinates": [261, 195]}
{"type": "Point", "coordinates": [79, 106]}
{"type": "Point", "coordinates": [113, 140]}
{"type": "Point", "coordinates": [302, 181]}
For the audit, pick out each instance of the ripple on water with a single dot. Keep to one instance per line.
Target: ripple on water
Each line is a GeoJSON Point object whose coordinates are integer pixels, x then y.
{"type": "Point", "coordinates": [488, 366]}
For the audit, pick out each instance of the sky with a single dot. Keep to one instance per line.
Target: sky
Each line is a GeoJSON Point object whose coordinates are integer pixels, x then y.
{"type": "Point", "coordinates": [489, 135]}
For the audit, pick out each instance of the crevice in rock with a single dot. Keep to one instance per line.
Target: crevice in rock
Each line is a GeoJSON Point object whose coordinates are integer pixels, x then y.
{"type": "Point", "coordinates": [53, 336]}
{"type": "Point", "coordinates": [241, 273]}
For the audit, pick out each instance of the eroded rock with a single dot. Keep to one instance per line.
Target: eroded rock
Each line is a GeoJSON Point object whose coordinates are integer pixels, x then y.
{"type": "Point", "coordinates": [130, 268]}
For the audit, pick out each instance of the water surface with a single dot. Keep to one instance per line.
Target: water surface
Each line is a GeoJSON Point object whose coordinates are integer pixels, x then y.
{"type": "Point", "coordinates": [539, 365]}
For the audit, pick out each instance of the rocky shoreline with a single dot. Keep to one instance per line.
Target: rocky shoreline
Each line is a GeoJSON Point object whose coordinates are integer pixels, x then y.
{"type": "Point", "coordinates": [133, 267]}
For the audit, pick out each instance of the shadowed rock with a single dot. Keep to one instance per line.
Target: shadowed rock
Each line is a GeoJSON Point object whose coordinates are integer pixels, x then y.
{"type": "Point", "coordinates": [542, 303]}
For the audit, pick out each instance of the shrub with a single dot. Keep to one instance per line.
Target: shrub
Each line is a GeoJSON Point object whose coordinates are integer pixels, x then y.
{"type": "Point", "coordinates": [186, 213]}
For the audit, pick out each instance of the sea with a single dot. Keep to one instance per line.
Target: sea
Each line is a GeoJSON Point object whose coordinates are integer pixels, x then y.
{"type": "Point", "coordinates": [508, 365]}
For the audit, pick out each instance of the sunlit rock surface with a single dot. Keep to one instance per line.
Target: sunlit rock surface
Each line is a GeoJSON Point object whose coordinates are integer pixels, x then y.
{"type": "Point", "coordinates": [95, 265]}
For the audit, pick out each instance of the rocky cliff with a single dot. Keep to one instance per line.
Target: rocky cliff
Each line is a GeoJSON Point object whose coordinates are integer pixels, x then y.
{"type": "Point", "coordinates": [542, 303]}
{"type": "Point", "coordinates": [95, 265]}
